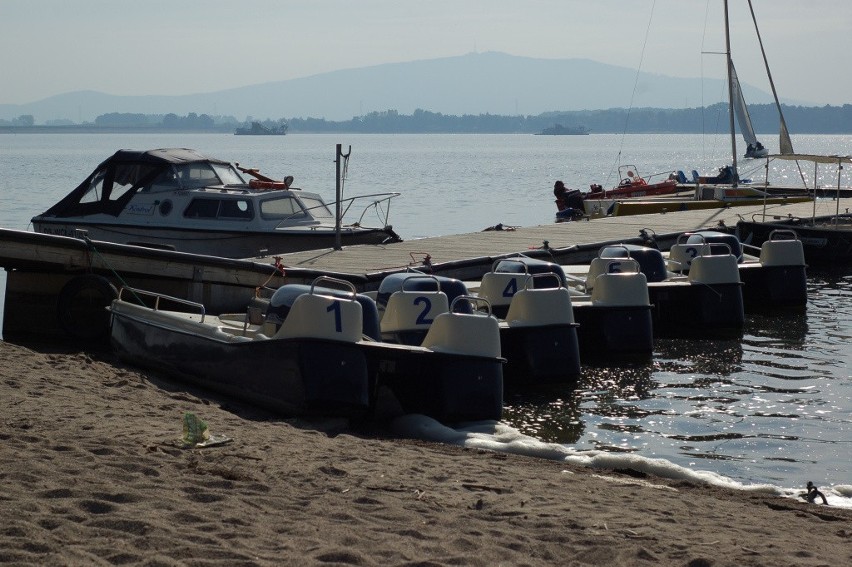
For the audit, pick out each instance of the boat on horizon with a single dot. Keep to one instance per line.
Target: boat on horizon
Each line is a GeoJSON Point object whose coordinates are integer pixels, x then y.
{"type": "Point", "coordinates": [560, 130]}
{"type": "Point", "coordinates": [258, 129]}
{"type": "Point", "coordinates": [178, 199]}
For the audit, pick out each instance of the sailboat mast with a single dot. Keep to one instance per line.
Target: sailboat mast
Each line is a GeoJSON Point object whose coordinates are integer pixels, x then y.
{"type": "Point", "coordinates": [785, 143]}
{"type": "Point", "coordinates": [730, 97]}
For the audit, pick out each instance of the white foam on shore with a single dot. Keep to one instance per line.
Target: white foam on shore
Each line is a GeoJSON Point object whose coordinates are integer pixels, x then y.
{"type": "Point", "coordinates": [499, 437]}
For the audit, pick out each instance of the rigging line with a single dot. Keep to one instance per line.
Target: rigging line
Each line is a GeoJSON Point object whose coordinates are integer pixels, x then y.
{"type": "Point", "coordinates": [718, 108]}
{"type": "Point", "coordinates": [784, 131]}
{"type": "Point", "coordinates": [701, 64]}
{"type": "Point", "coordinates": [635, 86]}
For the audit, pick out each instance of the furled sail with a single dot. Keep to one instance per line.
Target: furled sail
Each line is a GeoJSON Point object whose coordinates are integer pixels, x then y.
{"type": "Point", "coordinates": [786, 145]}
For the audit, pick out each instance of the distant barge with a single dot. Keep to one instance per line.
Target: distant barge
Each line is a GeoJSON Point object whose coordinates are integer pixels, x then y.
{"type": "Point", "coordinates": [560, 130]}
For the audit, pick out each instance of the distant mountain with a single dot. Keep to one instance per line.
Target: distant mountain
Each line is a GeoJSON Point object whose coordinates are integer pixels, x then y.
{"type": "Point", "coordinates": [476, 83]}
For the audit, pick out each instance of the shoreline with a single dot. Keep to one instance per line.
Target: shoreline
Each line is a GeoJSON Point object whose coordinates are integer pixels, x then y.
{"type": "Point", "coordinates": [95, 473]}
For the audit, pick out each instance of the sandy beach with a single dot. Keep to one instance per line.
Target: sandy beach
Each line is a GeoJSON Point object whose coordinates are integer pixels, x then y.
{"type": "Point", "coordinates": [94, 472]}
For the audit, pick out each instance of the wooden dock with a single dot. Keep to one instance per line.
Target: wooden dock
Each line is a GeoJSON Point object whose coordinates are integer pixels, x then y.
{"type": "Point", "coordinates": [41, 266]}
{"type": "Point", "coordinates": [468, 256]}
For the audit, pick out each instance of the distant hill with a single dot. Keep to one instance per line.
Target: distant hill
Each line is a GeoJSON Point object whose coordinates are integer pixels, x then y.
{"type": "Point", "coordinates": [476, 83]}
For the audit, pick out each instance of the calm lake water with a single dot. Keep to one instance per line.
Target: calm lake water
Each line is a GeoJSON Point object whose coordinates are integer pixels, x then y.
{"type": "Point", "coordinates": [773, 408]}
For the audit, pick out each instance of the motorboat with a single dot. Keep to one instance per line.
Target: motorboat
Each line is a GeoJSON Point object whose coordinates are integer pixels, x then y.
{"type": "Point", "coordinates": [703, 197]}
{"type": "Point", "coordinates": [632, 184]}
{"type": "Point", "coordinates": [178, 199]}
{"type": "Point", "coordinates": [575, 204]}
{"type": "Point", "coordinates": [316, 349]}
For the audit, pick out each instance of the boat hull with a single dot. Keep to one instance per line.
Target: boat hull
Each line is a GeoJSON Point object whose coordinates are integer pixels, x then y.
{"type": "Point", "coordinates": [614, 332]}
{"type": "Point", "coordinates": [822, 242]}
{"type": "Point", "coordinates": [634, 190]}
{"type": "Point", "coordinates": [447, 387]}
{"type": "Point", "coordinates": [646, 207]}
{"type": "Point", "coordinates": [774, 287]}
{"type": "Point", "coordinates": [292, 377]}
{"type": "Point", "coordinates": [687, 309]}
{"type": "Point", "coordinates": [540, 354]}
{"type": "Point", "coordinates": [237, 244]}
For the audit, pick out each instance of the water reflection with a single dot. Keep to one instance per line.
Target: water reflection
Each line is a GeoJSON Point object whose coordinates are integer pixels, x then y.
{"type": "Point", "coordinates": [767, 405]}
{"type": "Point", "coordinates": [555, 413]}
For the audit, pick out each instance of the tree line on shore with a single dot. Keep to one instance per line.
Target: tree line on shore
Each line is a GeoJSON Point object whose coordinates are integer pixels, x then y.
{"type": "Point", "coordinates": [711, 119]}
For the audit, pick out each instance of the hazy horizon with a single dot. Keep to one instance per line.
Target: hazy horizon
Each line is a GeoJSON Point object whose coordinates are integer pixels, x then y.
{"type": "Point", "coordinates": [161, 47]}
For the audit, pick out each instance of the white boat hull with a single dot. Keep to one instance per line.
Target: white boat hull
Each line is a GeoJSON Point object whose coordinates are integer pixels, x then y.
{"type": "Point", "coordinates": [236, 244]}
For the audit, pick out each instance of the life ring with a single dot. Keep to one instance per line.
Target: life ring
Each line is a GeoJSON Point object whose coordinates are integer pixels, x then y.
{"type": "Point", "coordinates": [81, 307]}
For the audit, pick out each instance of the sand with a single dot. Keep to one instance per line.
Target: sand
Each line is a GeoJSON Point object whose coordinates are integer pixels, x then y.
{"type": "Point", "coordinates": [94, 473]}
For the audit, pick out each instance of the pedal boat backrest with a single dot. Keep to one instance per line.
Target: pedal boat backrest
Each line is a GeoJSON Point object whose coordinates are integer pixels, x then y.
{"type": "Point", "coordinates": [610, 265]}
{"type": "Point", "coordinates": [715, 269]}
{"type": "Point", "coordinates": [411, 312]}
{"type": "Point", "coordinates": [534, 306]}
{"type": "Point", "coordinates": [682, 253]}
{"type": "Point", "coordinates": [620, 283]}
{"type": "Point", "coordinates": [783, 248]}
{"type": "Point", "coordinates": [474, 334]}
{"type": "Point", "coordinates": [317, 316]}
{"type": "Point", "coordinates": [499, 288]}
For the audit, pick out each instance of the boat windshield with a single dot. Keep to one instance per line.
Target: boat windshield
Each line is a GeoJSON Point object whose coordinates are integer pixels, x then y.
{"type": "Point", "coordinates": [203, 174]}
{"type": "Point", "coordinates": [281, 208]}
{"type": "Point", "coordinates": [228, 174]}
{"type": "Point", "coordinates": [316, 208]}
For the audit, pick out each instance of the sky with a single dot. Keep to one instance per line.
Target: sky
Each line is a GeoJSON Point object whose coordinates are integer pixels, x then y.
{"type": "Point", "coordinates": [174, 47]}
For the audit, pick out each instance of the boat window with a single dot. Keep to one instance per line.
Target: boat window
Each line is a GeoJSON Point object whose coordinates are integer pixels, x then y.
{"type": "Point", "coordinates": [280, 208]}
{"type": "Point", "coordinates": [195, 175]}
{"type": "Point", "coordinates": [128, 175]}
{"type": "Point", "coordinates": [96, 188]}
{"type": "Point", "coordinates": [317, 208]}
{"type": "Point", "coordinates": [166, 181]}
{"type": "Point", "coordinates": [235, 209]}
{"type": "Point", "coordinates": [202, 209]}
{"type": "Point", "coordinates": [226, 209]}
{"type": "Point", "coordinates": [228, 175]}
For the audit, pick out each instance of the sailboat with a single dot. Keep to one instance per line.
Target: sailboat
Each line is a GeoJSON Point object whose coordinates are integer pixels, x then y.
{"type": "Point", "coordinates": [824, 238]}
{"type": "Point", "coordinates": [737, 105]}
{"type": "Point", "coordinates": [723, 190]}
